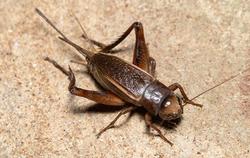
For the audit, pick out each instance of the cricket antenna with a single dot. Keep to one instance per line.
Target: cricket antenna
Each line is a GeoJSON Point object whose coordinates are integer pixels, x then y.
{"type": "Point", "coordinates": [230, 78]}
{"type": "Point", "coordinates": [81, 50]}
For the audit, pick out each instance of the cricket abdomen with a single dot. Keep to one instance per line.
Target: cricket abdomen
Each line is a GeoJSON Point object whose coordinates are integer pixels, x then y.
{"type": "Point", "coordinates": [125, 80]}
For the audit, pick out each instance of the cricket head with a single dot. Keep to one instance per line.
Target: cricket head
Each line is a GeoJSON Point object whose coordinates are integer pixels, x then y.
{"type": "Point", "coordinates": [171, 108]}
{"type": "Point", "coordinates": [160, 101]}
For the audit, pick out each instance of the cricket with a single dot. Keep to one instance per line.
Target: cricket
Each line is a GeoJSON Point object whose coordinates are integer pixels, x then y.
{"type": "Point", "coordinates": [124, 83]}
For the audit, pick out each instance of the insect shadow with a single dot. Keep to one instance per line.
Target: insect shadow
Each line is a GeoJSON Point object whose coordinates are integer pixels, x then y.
{"type": "Point", "coordinates": [104, 109]}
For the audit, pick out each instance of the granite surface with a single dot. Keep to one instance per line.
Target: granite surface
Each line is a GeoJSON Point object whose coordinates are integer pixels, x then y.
{"type": "Point", "coordinates": [196, 43]}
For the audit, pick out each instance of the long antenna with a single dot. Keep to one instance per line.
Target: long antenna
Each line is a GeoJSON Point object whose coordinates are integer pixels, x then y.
{"type": "Point", "coordinates": [232, 77]}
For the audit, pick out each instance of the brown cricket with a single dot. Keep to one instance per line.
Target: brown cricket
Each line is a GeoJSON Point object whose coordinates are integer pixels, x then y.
{"type": "Point", "coordinates": [126, 83]}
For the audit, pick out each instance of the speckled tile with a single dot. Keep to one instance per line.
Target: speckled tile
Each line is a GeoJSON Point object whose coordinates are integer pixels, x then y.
{"type": "Point", "coordinates": [196, 43]}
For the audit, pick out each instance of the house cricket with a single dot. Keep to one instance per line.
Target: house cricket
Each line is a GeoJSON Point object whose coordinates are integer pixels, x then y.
{"type": "Point", "coordinates": [123, 82]}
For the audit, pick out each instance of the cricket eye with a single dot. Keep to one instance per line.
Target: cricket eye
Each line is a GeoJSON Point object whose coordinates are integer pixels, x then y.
{"type": "Point", "coordinates": [167, 103]}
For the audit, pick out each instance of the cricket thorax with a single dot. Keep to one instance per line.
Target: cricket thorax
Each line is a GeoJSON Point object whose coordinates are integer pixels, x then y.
{"type": "Point", "coordinates": [154, 96]}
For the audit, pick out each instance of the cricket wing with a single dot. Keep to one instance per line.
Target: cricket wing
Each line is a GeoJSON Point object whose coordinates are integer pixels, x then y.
{"type": "Point", "coordinates": [124, 79]}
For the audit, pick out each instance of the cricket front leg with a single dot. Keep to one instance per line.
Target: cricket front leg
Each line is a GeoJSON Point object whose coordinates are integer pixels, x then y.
{"type": "Point", "coordinates": [175, 86]}
{"type": "Point", "coordinates": [148, 120]}
{"type": "Point", "coordinates": [106, 97]}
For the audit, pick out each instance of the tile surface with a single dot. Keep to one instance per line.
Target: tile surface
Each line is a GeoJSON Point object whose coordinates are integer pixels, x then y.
{"type": "Point", "coordinates": [196, 43]}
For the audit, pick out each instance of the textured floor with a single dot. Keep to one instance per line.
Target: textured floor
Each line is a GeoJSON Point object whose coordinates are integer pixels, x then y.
{"type": "Point", "coordinates": [196, 43]}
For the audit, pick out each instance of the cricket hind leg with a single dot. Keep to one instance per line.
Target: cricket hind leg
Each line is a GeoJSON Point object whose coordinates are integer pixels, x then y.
{"type": "Point", "coordinates": [97, 43]}
{"type": "Point", "coordinates": [112, 123]}
{"type": "Point", "coordinates": [106, 97]}
{"type": "Point", "coordinates": [92, 41]}
{"type": "Point", "coordinates": [186, 100]}
{"type": "Point", "coordinates": [152, 66]}
{"type": "Point", "coordinates": [102, 46]}
{"type": "Point", "coordinates": [141, 56]}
